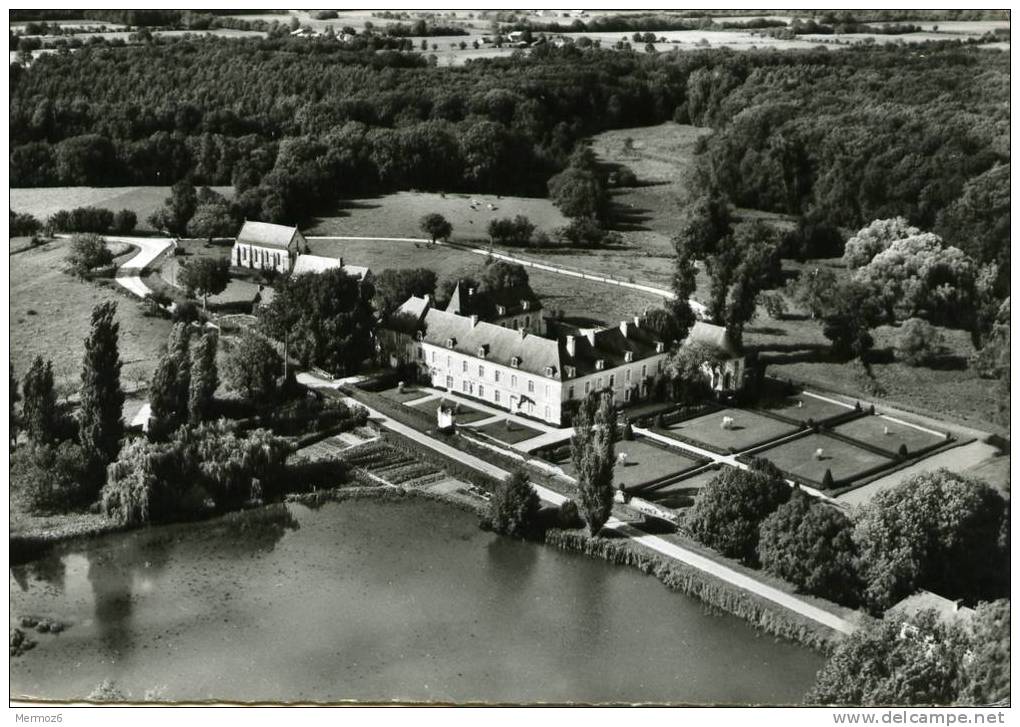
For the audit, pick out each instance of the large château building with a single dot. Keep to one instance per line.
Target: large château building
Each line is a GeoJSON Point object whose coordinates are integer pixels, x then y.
{"type": "Point", "coordinates": [521, 371]}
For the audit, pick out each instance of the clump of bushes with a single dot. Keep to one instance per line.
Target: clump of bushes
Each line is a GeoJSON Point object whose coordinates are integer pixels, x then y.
{"type": "Point", "coordinates": [513, 507]}
{"type": "Point", "coordinates": [919, 342]}
{"type": "Point", "coordinates": [208, 468]}
{"type": "Point", "coordinates": [88, 253]}
{"type": "Point", "coordinates": [47, 477]}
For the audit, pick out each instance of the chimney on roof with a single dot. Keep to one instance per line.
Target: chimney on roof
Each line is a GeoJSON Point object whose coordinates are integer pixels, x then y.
{"type": "Point", "coordinates": [571, 345]}
{"type": "Point", "coordinates": [474, 320]}
{"type": "Point", "coordinates": [428, 297]}
{"type": "Point", "coordinates": [624, 328]}
{"type": "Point", "coordinates": [637, 321]}
{"type": "Point", "coordinates": [523, 332]}
{"type": "Point", "coordinates": [590, 335]}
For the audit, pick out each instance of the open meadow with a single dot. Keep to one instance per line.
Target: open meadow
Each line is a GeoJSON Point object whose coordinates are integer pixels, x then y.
{"type": "Point", "coordinates": [399, 215]}
{"type": "Point", "coordinates": [143, 201]}
{"type": "Point", "coordinates": [50, 314]}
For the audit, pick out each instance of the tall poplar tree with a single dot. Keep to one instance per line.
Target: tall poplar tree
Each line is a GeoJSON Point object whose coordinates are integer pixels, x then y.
{"type": "Point", "coordinates": [100, 417]}
{"type": "Point", "coordinates": [592, 452]}
{"type": "Point", "coordinates": [39, 410]}
{"type": "Point", "coordinates": [204, 377]}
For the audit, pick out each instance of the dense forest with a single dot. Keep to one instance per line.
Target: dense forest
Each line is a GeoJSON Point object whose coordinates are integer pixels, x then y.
{"type": "Point", "coordinates": [840, 137]}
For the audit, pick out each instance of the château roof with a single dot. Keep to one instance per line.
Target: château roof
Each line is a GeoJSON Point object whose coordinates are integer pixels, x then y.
{"type": "Point", "coordinates": [320, 264]}
{"type": "Point", "coordinates": [490, 305]}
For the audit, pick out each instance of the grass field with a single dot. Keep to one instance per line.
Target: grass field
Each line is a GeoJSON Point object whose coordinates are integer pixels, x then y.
{"type": "Point", "coordinates": [575, 297]}
{"type": "Point", "coordinates": [872, 430]}
{"type": "Point", "coordinates": [749, 429]}
{"type": "Point", "coordinates": [465, 415]}
{"type": "Point", "coordinates": [50, 314]}
{"type": "Point", "coordinates": [644, 462]}
{"type": "Point", "coordinates": [845, 461]}
{"type": "Point", "coordinates": [508, 431]}
{"type": "Point", "coordinates": [143, 201]}
{"type": "Point", "coordinates": [399, 215]}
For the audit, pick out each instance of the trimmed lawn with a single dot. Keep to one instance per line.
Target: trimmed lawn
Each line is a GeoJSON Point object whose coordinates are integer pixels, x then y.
{"type": "Point", "coordinates": [508, 431]}
{"type": "Point", "coordinates": [872, 430]}
{"type": "Point", "coordinates": [682, 493]}
{"type": "Point", "coordinates": [749, 429]}
{"type": "Point", "coordinates": [803, 407]}
{"type": "Point", "coordinates": [645, 462]}
{"type": "Point", "coordinates": [466, 414]}
{"type": "Point", "coordinates": [847, 462]}
{"type": "Point", "coordinates": [410, 393]}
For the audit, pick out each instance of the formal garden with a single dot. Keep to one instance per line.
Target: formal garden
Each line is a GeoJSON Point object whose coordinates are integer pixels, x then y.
{"type": "Point", "coordinates": [507, 431]}
{"type": "Point", "coordinates": [809, 458]}
{"type": "Point", "coordinates": [730, 430]}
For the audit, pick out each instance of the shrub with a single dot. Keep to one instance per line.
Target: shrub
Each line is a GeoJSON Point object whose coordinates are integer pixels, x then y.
{"type": "Point", "coordinates": [48, 478]}
{"type": "Point", "coordinates": [919, 343]}
{"type": "Point", "coordinates": [810, 544]}
{"type": "Point", "coordinates": [124, 222]}
{"type": "Point", "coordinates": [628, 432]}
{"type": "Point", "coordinates": [515, 232]}
{"type": "Point", "coordinates": [23, 225]}
{"type": "Point", "coordinates": [81, 219]}
{"type": "Point", "coordinates": [206, 467]}
{"type": "Point", "coordinates": [513, 507]}
{"type": "Point", "coordinates": [937, 530]}
{"type": "Point", "coordinates": [728, 511]}
{"type": "Point", "coordinates": [88, 252]}
{"type": "Point", "coordinates": [185, 311]}
{"type": "Point", "coordinates": [585, 232]}
{"type": "Point", "coordinates": [568, 517]}
{"type": "Point", "coordinates": [774, 304]}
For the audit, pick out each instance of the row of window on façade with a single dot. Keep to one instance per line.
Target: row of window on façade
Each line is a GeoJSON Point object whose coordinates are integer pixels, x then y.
{"type": "Point", "coordinates": [542, 397]}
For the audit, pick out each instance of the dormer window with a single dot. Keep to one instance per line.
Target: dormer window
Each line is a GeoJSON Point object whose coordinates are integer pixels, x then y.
{"type": "Point", "coordinates": [526, 304]}
{"type": "Point", "coordinates": [571, 371]}
{"type": "Point", "coordinates": [628, 356]}
{"type": "Point", "coordinates": [501, 310]}
{"type": "Point", "coordinates": [482, 350]}
{"type": "Point", "coordinates": [660, 346]}
{"type": "Point", "coordinates": [450, 342]}
{"type": "Point", "coordinates": [548, 370]}
{"type": "Point", "coordinates": [419, 335]}
{"type": "Point", "coordinates": [600, 364]}
{"type": "Point", "coordinates": [515, 362]}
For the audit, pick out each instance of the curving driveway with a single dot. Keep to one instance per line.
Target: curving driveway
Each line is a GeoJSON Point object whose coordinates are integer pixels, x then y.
{"type": "Point", "coordinates": [149, 248]}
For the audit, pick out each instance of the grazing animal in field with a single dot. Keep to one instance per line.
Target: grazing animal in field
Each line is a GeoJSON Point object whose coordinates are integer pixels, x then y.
{"type": "Point", "coordinates": [819, 453]}
{"type": "Point", "coordinates": [727, 422]}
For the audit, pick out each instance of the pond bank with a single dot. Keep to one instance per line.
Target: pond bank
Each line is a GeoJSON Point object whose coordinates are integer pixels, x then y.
{"type": "Point", "coordinates": [367, 600]}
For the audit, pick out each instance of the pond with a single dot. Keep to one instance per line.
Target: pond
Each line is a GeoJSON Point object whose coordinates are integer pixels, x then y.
{"type": "Point", "coordinates": [374, 601]}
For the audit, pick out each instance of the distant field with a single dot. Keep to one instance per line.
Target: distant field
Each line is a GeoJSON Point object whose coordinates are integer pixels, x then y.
{"type": "Point", "coordinates": [576, 298]}
{"type": "Point", "coordinates": [143, 201]}
{"type": "Point", "coordinates": [399, 215]}
{"type": "Point", "coordinates": [50, 314]}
